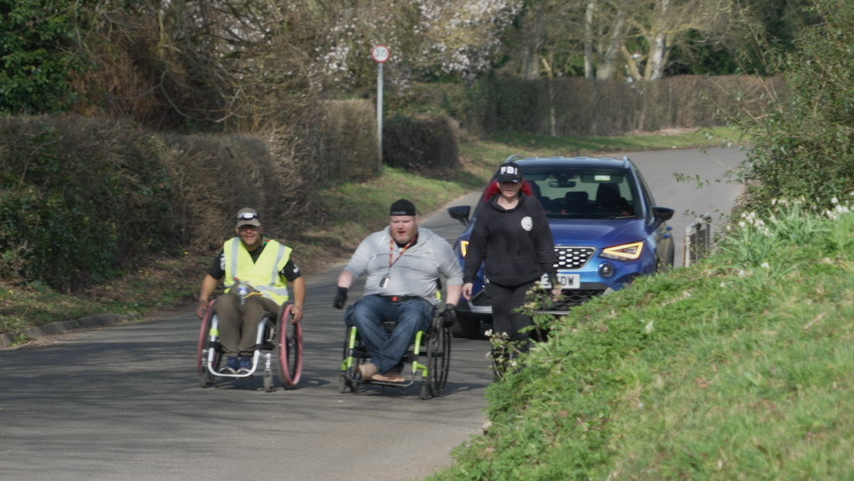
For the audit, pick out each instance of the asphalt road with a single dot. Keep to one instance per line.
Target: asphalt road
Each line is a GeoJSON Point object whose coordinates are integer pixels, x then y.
{"type": "Point", "coordinates": [123, 403]}
{"type": "Point", "coordinates": [693, 183]}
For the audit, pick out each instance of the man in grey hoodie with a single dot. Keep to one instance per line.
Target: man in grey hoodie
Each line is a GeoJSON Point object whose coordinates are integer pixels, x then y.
{"type": "Point", "coordinates": [402, 264]}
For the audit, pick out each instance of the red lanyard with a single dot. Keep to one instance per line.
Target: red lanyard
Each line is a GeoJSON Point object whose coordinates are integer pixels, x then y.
{"type": "Point", "coordinates": [391, 251]}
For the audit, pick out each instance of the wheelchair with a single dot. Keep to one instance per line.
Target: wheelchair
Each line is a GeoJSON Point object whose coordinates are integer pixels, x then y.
{"type": "Point", "coordinates": [429, 355]}
{"type": "Point", "coordinates": [279, 343]}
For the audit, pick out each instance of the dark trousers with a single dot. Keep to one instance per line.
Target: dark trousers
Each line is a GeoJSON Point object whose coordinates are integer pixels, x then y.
{"type": "Point", "coordinates": [370, 314]}
{"type": "Point", "coordinates": [238, 324]}
{"type": "Point", "coordinates": [505, 301]}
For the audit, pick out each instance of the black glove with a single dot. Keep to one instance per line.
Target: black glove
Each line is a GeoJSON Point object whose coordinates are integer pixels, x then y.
{"type": "Point", "coordinates": [449, 315]}
{"type": "Point", "coordinates": [340, 298]}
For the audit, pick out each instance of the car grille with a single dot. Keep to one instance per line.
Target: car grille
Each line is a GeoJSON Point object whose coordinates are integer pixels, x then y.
{"type": "Point", "coordinates": [572, 257]}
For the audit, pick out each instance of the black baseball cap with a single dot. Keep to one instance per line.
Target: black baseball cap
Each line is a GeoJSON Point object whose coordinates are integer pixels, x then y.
{"type": "Point", "coordinates": [509, 172]}
{"type": "Point", "coordinates": [402, 207]}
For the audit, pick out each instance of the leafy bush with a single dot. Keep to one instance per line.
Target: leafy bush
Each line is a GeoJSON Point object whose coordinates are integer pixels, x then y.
{"type": "Point", "coordinates": [803, 149]}
{"type": "Point", "coordinates": [79, 199]}
{"type": "Point", "coordinates": [421, 143]}
{"type": "Point", "coordinates": [82, 199]}
{"type": "Point", "coordinates": [35, 36]}
{"type": "Point", "coordinates": [344, 136]}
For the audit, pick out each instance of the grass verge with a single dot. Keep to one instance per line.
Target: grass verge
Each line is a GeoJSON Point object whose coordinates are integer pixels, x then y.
{"type": "Point", "coordinates": [736, 368]}
{"type": "Point", "coordinates": [356, 209]}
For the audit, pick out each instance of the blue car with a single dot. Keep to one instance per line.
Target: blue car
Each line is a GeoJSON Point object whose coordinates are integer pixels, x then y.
{"type": "Point", "coordinates": [606, 227]}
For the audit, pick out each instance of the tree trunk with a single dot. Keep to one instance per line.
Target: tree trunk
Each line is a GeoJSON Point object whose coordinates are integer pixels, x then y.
{"type": "Point", "coordinates": [530, 63]}
{"type": "Point", "coordinates": [658, 56]}
{"type": "Point", "coordinates": [612, 52]}
{"type": "Point", "coordinates": [589, 73]}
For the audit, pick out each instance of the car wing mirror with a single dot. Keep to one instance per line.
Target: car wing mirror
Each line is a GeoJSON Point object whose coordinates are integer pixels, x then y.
{"type": "Point", "coordinates": [662, 214]}
{"type": "Point", "coordinates": [461, 213]}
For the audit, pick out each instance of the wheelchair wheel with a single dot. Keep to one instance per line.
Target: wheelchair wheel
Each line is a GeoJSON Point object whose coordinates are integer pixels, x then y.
{"type": "Point", "coordinates": [438, 361]}
{"type": "Point", "coordinates": [207, 348]}
{"type": "Point", "coordinates": [352, 358]}
{"type": "Point", "coordinates": [288, 351]}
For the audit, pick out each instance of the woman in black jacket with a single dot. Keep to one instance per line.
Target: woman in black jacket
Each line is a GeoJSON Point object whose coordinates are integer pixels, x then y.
{"type": "Point", "coordinates": [513, 236]}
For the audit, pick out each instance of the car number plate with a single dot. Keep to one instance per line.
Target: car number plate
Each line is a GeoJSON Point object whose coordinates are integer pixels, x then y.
{"type": "Point", "coordinates": [566, 281]}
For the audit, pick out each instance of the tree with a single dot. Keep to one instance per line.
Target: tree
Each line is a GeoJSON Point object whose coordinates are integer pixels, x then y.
{"type": "Point", "coordinates": [544, 41]}
{"type": "Point", "coordinates": [609, 39]}
{"type": "Point", "coordinates": [429, 39]}
{"type": "Point", "coordinates": [241, 63]}
{"type": "Point", "coordinates": [198, 64]}
{"type": "Point", "coordinates": [646, 32]}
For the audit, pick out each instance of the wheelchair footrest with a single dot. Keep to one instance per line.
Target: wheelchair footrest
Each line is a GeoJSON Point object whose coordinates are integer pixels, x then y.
{"type": "Point", "coordinates": [390, 384]}
{"type": "Point", "coordinates": [353, 376]}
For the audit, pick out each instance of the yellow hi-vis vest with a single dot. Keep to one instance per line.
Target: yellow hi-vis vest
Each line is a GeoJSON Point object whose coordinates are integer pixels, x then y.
{"type": "Point", "coordinates": [263, 274]}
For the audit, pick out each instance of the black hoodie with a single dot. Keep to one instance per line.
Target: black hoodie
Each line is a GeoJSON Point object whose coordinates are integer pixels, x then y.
{"type": "Point", "coordinates": [517, 244]}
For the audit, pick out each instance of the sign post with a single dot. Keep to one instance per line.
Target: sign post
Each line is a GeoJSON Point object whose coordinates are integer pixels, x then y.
{"type": "Point", "coordinates": [380, 54]}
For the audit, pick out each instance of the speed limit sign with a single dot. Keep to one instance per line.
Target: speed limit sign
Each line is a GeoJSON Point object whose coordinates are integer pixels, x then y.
{"type": "Point", "coordinates": [380, 53]}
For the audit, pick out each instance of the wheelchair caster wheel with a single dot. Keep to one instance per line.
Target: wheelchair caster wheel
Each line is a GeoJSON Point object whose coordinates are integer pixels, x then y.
{"type": "Point", "coordinates": [345, 386]}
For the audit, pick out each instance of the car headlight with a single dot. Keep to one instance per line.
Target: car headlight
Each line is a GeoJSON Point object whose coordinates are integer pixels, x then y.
{"type": "Point", "coordinates": [624, 252]}
{"type": "Point", "coordinates": [464, 247]}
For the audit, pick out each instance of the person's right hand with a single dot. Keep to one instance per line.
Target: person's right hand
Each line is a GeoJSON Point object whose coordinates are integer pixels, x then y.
{"type": "Point", "coordinates": [340, 298]}
{"type": "Point", "coordinates": [467, 287]}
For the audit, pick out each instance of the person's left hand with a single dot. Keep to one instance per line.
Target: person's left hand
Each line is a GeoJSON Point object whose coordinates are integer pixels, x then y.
{"type": "Point", "coordinates": [296, 314]}
{"type": "Point", "coordinates": [449, 314]}
{"type": "Point", "coordinates": [202, 308]}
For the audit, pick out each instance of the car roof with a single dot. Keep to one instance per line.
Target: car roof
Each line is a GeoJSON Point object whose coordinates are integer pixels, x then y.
{"type": "Point", "coordinates": [583, 162]}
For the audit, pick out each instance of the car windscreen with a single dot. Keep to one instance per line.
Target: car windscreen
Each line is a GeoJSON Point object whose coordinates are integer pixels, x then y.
{"type": "Point", "coordinates": [575, 193]}
{"type": "Point", "coordinates": [585, 194]}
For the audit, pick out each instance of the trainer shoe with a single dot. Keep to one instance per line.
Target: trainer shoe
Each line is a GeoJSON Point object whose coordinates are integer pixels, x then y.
{"type": "Point", "coordinates": [231, 365]}
{"type": "Point", "coordinates": [245, 365]}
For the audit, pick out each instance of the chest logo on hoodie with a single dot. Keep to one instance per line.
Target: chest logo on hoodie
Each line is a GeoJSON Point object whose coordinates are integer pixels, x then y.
{"type": "Point", "coordinates": [527, 223]}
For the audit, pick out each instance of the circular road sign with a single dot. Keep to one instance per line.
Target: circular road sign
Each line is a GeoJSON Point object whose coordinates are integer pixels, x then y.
{"type": "Point", "coordinates": [380, 53]}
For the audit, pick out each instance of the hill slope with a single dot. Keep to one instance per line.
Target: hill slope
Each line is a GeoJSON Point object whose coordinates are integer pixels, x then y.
{"type": "Point", "coordinates": [736, 368]}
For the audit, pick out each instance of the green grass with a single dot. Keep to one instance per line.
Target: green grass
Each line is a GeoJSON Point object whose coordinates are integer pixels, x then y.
{"type": "Point", "coordinates": [737, 368]}
{"type": "Point", "coordinates": [355, 209]}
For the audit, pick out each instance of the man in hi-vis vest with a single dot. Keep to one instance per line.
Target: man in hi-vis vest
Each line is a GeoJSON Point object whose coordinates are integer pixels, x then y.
{"type": "Point", "coordinates": [263, 267]}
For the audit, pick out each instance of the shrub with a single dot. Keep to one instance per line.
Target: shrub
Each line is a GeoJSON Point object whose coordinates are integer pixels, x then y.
{"type": "Point", "coordinates": [79, 199]}
{"type": "Point", "coordinates": [216, 175]}
{"type": "Point", "coordinates": [341, 141]}
{"type": "Point", "coordinates": [36, 38]}
{"type": "Point", "coordinates": [421, 143]}
{"type": "Point", "coordinates": [803, 147]}
{"type": "Point", "coordinates": [83, 199]}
